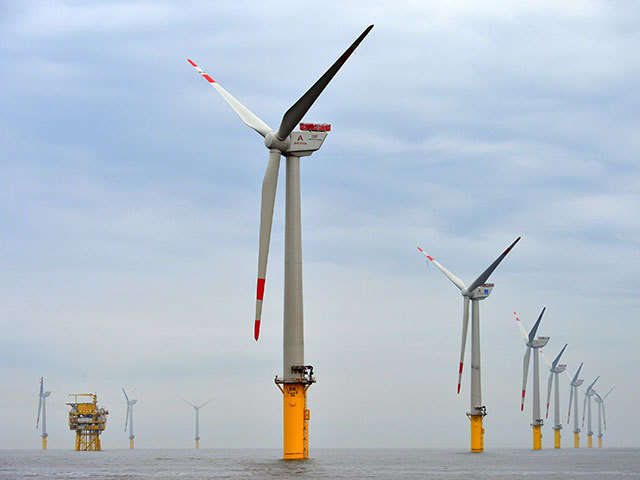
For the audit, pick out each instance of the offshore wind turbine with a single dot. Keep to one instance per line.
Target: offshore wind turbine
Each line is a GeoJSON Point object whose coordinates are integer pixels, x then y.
{"type": "Point", "coordinates": [589, 392]}
{"type": "Point", "coordinates": [534, 344]}
{"type": "Point", "coordinates": [197, 409]}
{"type": "Point", "coordinates": [476, 291]}
{"type": "Point", "coordinates": [42, 407]}
{"type": "Point", "coordinates": [297, 377]}
{"type": "Point", "coordinates": [574, 384]}
{"type": "Point", "coordinates": [601, 414]}
{"type": "Point", "coordinates": [555, 370]}
{"type": "Point", "coordinates": [129, 418]}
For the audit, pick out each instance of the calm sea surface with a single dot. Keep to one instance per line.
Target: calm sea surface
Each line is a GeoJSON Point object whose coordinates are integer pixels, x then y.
{"type": "Point", "coordinates": [609, 463]}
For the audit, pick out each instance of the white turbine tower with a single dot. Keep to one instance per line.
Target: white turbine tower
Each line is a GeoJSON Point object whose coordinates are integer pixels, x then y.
{"type": "Point", "coordinates": [589, 392]}
{"type": "Point", "coordinates": [129, 418]}
{"type": "Point", "coordinates": [297, 377]}
{"type": "Point", "coordinates": [601, 414]}
{"type": "Point", "coordinates": [534, 344]}
{"type": "Point", "coordinates": [197, 409]}
{"type": "Point", "coordinates": [42, 407]}
{"type": "Point", "coordinates": [555, 370]}
{"type": "Point", "coordinates": [573, 395]}
{"type": "Point", "coordinates": [476, 291]}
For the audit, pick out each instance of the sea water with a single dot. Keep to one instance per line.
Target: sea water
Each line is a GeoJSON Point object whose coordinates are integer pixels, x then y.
{"type": "Point", "coordinates": [583, 464]}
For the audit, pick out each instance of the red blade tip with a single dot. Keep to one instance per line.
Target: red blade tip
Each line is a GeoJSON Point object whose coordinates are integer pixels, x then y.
{"type": "Point", "coordinates": [256, 330]}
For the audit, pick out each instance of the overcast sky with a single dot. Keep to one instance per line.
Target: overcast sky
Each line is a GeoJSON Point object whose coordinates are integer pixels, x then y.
{"type": "Point", "coordinates": [129, 209]}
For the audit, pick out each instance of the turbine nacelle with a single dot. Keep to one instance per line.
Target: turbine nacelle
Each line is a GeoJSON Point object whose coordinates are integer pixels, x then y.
{"type": "Point", "coordinates": [559, 369]}
{"type": "Point", "coordinates": [480, 293]}
{"type": "Point", "coordinates": [540, 342]}
{"type": "Point", "coordinates": [45, 394]}
{"type": "Point", "coordinates": [578, 382]}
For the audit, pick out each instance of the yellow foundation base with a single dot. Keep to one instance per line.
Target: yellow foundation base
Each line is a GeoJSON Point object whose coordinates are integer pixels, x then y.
{"type": "Point", "coordinates": [44, 443]}
{"type": "Point", "coordinates": [556, 438]}
{"type": "Point", "coordinates": [197, 444]}
{"type": "Point", "coordinates": [599, 442]}
{"type": "Point", "coordinates": [589, 441]}
{"type": "Point", "coordinates": [537, 437]}
{"type": "Point", "coordinates": [131, 443]}
{"type": "Point", "coordinates": [477, 433]}
{"type": "Point", "coordinates": [576, 440]}
{"type": "Point", "coordinates": [295, 421]}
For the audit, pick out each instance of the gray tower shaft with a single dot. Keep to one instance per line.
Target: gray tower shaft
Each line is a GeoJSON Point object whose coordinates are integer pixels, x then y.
{"type": "Point", "coordinates": [293, 335]}
{"type": "Point", "coordinates": [557, 424]}
{"type": "Point", "coordinates": [131, 435]}
{"type": "Point", "coordinates": [600, 418]}
{"type": "Point", "coordinates": [44, 417]}
{"type": "Point", "coordinates": [476, 386]}
{"type": "Point", "coordinates": [576, 425]}
{"type": "Point", "coordinates": [197, 409]}
{"type": "Point", "coordinates": [536, 387]}
{"type": "Point", "coordinates": [589, 431]}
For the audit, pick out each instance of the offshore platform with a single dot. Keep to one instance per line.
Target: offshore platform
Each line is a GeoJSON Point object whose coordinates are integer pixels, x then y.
{"type": "Point", "coordinates": [88, 420]}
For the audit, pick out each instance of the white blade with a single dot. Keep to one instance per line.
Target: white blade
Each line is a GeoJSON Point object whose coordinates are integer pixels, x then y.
{"type": "Point", "coordinates": [534, 330]}
{"type": "Point", "coordinates": [575, 377]}
{"type": "Point", "coordinates": [557, 359]}
{"type": "Point", "coordinates": [523, 332]}
{"type": "Point", "coordinates": [208, 401]}
{"type": "Point", "coordinates": [291, 118]}
{"type": "Point", "coordinates": [607, 394]}
{"type": "Point", "coordinates": [525, 372]}
{"type": "Point", "coordinates": [544, 357]}
{"type": "Point", "coordinates": [463, 343]}
{"type": "Point", "coordinates": [484, 276]}
{"type": "Point", "coordinates": [126, 422]}
{"type": "Point", "coordinates": [549, 393]}
{"type": "Point", "coordinates": [455, 280]}
{"type": "Point", "coordinates": [187, 402]}
{"type": "Point", "coordinates": [125, 395]}
{"type": "Point", "coordinates": [247, 116]}
{"type": "Point", "coordinates": [584, 407]}
{"type": "Point", "coordinates": [570, 399]}
{"type": "Point", "coordinates": [39, 410]}
{"type": "Point", "coordinates": [269, 185]}
{"type": "Point", "coordinates": [604, 417]}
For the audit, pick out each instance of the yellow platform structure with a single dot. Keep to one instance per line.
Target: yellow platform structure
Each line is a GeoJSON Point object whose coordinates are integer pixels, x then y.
{"type": "Point", "coordinates": [88, 420]}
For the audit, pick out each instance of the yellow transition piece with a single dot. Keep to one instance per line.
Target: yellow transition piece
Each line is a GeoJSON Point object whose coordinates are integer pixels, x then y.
{"type": "Point", "coordinates": [44, 443]}
{"type": "Point", "coordinates": [477, 433]}
{"type": "Point", "coordinates": [197, 443]}
{"type": "Point", "coordinates": [599, 442]}
{"type": "Point", "coordinates": [589, 441]}
{"type": "Point", "coordinates": [556, 438]}
{"type": "Point", "coordinates": [295, 421]}
{"type": "Point", "coordinates": [576, 440]}
{"type": "Point", "coordinates": [537, 437]}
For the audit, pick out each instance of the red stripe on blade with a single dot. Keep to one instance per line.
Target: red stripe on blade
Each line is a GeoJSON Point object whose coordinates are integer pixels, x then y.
{"type": "Point", "coordinates": [208, 78]}
{"type": "Point", "coordinates": [458, 388]}
{"type": "Point", "coordinates": [193, 64]}
{"type": "Point", "coordinates": [460, 368]}
{"type": "Point", "coordinates": [256, 330]}
{"type": "Point", "coordinates": [260, 289]}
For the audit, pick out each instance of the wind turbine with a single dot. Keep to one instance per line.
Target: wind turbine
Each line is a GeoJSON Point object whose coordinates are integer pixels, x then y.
{"type": "Point", "coordinates": [42, 407]}
{"type": "Point", "coordinates": [129, 418]}
{"type": "Point", "coordinates": [574, 384]}
{"type": "Point", "coordinates": [297, 377]}
{"type": "Point", "coordinates": [476, 291]}
{"type": "Point", "coordinates": [601, 414]}
{"type": "Point", "coordinates": [589, 392]}
{"type": "Point", "coordinates": [534, 344]}
{"type": "Point", "coordinates": [555, 370]}
{"type": "Point", "coordinates": [197, 409]}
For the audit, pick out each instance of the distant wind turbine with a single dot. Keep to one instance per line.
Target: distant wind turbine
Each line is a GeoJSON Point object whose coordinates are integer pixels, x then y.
{"type": "Point", "coordinates": [197, 410]}
{"type": "Point", "coordinates": [534, 344]}
{"type": "Point", "coordinates": [601, 414]}
{"type": "Point", "coordinates": [476, 291]}
{"type": "Point", "coordinates": [574, 384]}
{"type": "Point", "coordinates": [42, 407]}
{"type": "Point", "coordinates": [555, 370]}
{"type": "Point", "coordinates": [586, 409]}
{"type": "Point", "coordinates": [129, 418]}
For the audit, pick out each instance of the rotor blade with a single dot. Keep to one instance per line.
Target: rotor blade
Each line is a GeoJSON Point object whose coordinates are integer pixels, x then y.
{"type": "Point", "coordinates": [607, 394]}
{"type": "Point", "coordinates": [549, 384]}
{"type": "Point", "coordinates": [544, 357]}
{"type": "Point", "coordinates": [525, 372]}
{"type": "Point", "coordinates": [269, 185]}
{"type": "Point", "coordinates": [584, 407]}
{"type": "Point", "coordinates": [187, 402]}
{"type": "Point", "coordinates": [575, 377]}
{"type": "Point", "coordinates": [125, 395]}
{"type": "Point", "coordinates": [126, 422]}
{"type": "Point", "coordinates": [570, 399]}
{"type": "Point", "coordinates": [557, 359]}
{"type": "Point", "coordinates": [39, 410]}
{"type": "Point", "coordinates": [206, 402]}
{"type": "Point", "coordinates": [41, 384]}
{"type": "Point", "coordinates": [484, 276]}
{"type": "Point", "coordinates": [463, 343]}
{"type": "Point", "coordinates": [523, 332]}
{"type": "Point", "coordinates": [455, 280]}
{"type": "Point", "coordinates": [298, 110]}
{"type": "Point", "coordinates": [594, 382]}
{"type": "Point", "coordinates": [604, 417]}
{"type": "Point", "coordinates": [534, 330]}
{"type": "Point", "coordinates": [247, 116]}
